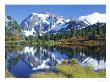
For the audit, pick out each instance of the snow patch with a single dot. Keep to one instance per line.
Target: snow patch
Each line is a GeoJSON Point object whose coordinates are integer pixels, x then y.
{"type": "Point", "coordinates": [93, 18]}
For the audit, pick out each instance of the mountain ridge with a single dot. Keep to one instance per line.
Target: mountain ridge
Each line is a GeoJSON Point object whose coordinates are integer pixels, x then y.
{"type": "Point", "coordinates": [50, 22]}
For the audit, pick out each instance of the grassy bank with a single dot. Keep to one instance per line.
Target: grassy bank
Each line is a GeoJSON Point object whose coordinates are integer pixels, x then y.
{"type": "Point", "coordinates": [71, 41]}
{"type": "Point", "coordinates": [81, 42]}
{"type": "Point", "coordinates": [8, 74]}
{"type": "Point", "coordinates": [77, 71]}
{"type": "Point", "coordinates": [78, 42]}
{"type": "Point", "coordinates": [72, 70]}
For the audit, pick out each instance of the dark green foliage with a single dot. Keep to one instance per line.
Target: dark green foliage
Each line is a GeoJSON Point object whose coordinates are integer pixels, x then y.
{"type": "Point", "coordinates": [12, 30]}
{"type": "Point", "coordinates": [96, 32]}
{"type": "Point", "coordinates": [92, 32]}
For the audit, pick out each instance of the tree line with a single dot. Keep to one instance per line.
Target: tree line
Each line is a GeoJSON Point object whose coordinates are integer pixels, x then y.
{"type": "Point", "coordinates": [13, 31]}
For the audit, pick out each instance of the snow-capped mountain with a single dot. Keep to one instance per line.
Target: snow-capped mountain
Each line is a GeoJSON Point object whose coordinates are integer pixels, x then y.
{"type": "Point", "coordinates": [48, 22]}
{"type": "Point", "coordinates": [93, 18]}
{"type": "Point", "coordinates": [43, 22]}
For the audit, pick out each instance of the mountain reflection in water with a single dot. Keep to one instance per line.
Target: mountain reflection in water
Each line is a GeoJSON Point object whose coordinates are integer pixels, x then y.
{"type": "Point", "coordinates": [28, 60]}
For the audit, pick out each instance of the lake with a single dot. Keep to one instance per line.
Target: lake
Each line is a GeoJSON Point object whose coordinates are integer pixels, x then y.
{"type": "Point", "coordinates": [22, 61]}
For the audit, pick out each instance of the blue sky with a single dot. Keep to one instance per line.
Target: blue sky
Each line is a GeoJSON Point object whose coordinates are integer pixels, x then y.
{"type": "Point", "coordinates": [20, 12]}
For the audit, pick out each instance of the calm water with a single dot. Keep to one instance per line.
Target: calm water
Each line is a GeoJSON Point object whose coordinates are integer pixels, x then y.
{"type": "Point", "coordinates": [23, 61]}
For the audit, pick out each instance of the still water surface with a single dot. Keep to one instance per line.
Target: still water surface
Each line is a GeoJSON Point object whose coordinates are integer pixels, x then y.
{"type": "Point", "coordinates": [23, 61]}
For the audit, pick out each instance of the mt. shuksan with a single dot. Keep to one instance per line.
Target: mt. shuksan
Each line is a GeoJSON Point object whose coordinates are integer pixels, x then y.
{"type": "Point", "coordinates": [42, 23]}
{"type": "Point", "coordinates": [48, 22]}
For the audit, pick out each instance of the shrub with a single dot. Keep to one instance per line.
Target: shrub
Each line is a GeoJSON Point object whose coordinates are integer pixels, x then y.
{"type": "Point", "coordinates": [74, 61]}
{"type": "Point", "coordinates": [64, 62]}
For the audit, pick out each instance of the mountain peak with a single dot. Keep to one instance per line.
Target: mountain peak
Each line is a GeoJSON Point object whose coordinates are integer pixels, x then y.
{"type": "Point", "coordinates": [49, 22]}
{"type": "Point", "coordinates": [34, 13]}
{"type": "Point", "coordinates": [45, 21]}
{"type": "Point", "coordinates": [93, 18]}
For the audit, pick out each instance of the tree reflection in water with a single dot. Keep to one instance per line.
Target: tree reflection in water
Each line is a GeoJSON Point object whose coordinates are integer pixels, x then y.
{"type": "Point", "coordinates": [45, 58]}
